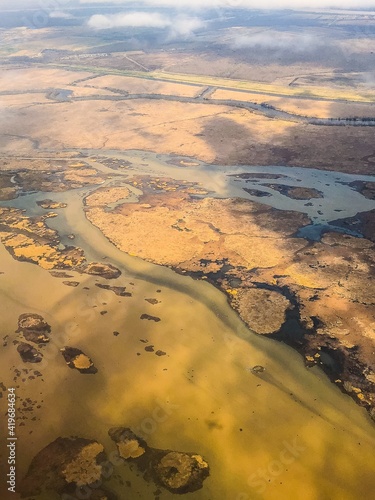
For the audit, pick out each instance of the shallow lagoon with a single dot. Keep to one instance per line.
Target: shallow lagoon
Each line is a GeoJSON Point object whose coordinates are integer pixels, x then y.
{"type": "Point", "coordinates": [284, 433]}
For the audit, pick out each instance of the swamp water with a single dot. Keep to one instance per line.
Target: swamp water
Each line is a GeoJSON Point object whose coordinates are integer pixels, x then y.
{"type": "Point", "coordinates": [284, 433]}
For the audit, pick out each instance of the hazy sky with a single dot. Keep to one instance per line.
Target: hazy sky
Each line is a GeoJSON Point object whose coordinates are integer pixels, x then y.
{"type": "Point", "coordinates": [192, 4]}
{"type": "Point", "coordinates": [245, 3]}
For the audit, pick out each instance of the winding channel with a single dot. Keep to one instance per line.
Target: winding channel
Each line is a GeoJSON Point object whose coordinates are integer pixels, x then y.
{"type": "Point", "coordinates": [284, 433]}
{"type": "Point", "coordinates": [66, 95]}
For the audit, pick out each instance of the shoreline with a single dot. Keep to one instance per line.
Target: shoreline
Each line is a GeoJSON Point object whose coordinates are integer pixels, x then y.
{"type": "Point", "coordinates": [256, 369]}
{"type": "Point", "coordinates": [342, 362]}
{"type": "Point", "coordinates": [301, 346]}
{"type": "Point", "coordinates": [307, 336]}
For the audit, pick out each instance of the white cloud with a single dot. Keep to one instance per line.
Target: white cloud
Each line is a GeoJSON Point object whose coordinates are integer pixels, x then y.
{"type": "Point", "coordinates": [136, 19]}
{"type": "Point", "coordinates": [44, 5]}
{"type": "Point", "coordinates": [58, 14]}
{"type": "Point", "coordinates": [195, 4]}
{"type": "Point", "coordinates": [177, 26]}
{"type": "Point", "coordinates": [299, 42]}
{"type": "Point", "coordinates": [185, 26]}
{"type": "Point", "coordinates": [247, 4]}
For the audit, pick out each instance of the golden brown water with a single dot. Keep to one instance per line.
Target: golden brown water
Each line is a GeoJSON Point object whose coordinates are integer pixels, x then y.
{"type": "Point", "coordinates": [286, 433]}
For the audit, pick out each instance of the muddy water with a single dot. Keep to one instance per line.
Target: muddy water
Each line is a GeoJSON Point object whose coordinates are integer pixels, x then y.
{"type": "Point", "coordinates": [338, 200]}
{"type": "Point", "coordinates": [284, 433]}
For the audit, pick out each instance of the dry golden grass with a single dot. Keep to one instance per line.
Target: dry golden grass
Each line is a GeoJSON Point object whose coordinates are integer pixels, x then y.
{"type": "Point", "coordinates": [312, 91]}
{"type": "Point", "coordinates": [211, 229]}
{"type": "Point", "coordinates": [236, 95]}
{"type": "Point", "coordinates": [323, 109]}
{"type": "Point", "coordinates": [37, 78]}
{"type": "Point", "coordinates": [218, 65]}
{"type": "Point", "coordinates": [108, 195]}
{"type": "Point", "coordinates": [28, 42]}
{"type": "Point", "coordinates": [300, 106]}
{"type": "Point", "coordinates": [55, 163]}
{"type": "Point", "coordinates": [151, 125]}
{"type": "Point", "coordinates": [275, 89]}
{"type": "Point", "coordinates": [210, 133]}
{"type": "Point", "coordinates": [22, 100]}
{"type": "Point", "coordinates": [81, 91]}
{"type": "Point", "coordinates": [144, 86]}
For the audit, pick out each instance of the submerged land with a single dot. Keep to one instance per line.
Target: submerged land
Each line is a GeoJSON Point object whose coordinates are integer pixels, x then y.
{"type": "Point", "coordinates": [134, 168]}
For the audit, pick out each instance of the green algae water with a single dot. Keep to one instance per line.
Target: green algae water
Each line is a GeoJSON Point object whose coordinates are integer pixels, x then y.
{"type": "Point", "coordinates": [282, 433]}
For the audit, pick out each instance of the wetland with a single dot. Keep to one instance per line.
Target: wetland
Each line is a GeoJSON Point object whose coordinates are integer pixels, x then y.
{"type": "Point", "coordinates": [164, 378]}
{"type": "Point", "coordinates": [187, 254]}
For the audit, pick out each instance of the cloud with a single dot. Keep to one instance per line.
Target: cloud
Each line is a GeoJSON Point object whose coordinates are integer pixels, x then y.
{"type": "Point", "coordinates": [6, 5]}
{"type": "Point", "coordinates": [177, 26]}
{"type": "Point", "coordinates": [246, 4]}
{"type": "Point", "coordinates": [185, 26]}
{"type": "Point", "coordinates": [292, 47]}
{"type": "Point", "coordinates": [191, 5]}
{"type": "Point", "coordinates": [272, 40]}
{"type": "Point", "coordinates": [58, 14]}
{"type": "Point", "coordinates": [44, 5]}
{"type": "Point", "coordinates": [369, 79]}
{"type": "Point", "coordinates": [135, 19]}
